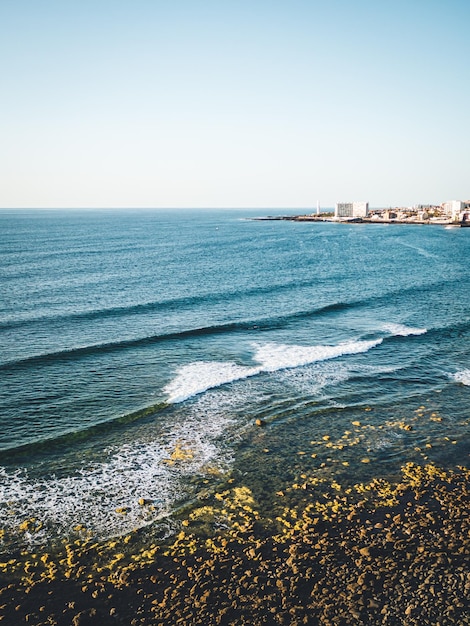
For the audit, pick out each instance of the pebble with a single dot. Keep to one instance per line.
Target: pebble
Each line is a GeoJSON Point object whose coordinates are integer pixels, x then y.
{"type": "Point", "coordinates": [370, 564]}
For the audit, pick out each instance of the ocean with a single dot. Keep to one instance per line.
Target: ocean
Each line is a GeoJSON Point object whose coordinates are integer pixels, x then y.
{"type": "Point", "coordinates": [139, 348]}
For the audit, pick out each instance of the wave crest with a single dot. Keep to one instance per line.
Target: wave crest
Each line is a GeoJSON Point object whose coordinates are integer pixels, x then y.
{"type": "Point", "coordinates": [463, 377]}
{"type": "Point", "coordinates": [402, 330]}
{"type": "Point", "coordinates": [200, 376]}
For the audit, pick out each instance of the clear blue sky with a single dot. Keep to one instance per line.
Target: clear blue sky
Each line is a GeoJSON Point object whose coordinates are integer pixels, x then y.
{"type": "Point", "coordinates": [240, 103]}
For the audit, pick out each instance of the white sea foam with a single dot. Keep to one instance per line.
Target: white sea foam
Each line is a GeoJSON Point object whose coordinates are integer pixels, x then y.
{"type": "Point", "coordinates": [198, 377]}
{"type": "Point", "coordinates": [275, 357]}
{"type": "Point", "coordinates": [93, 495]}
{"type": "Point", "coordinates": [462, 377]}
{"type": "Point", "coordinates": [311, 380]}
{"type": "Point", "coordinates": [402, 330]}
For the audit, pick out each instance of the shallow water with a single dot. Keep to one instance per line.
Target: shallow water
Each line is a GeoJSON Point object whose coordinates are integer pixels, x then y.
{"type": "Point", "coordinates": [139, 347]}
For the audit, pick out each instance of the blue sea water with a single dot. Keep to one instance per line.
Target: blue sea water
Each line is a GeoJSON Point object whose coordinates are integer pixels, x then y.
{"type": "Point", "coordinates": [138, 348]}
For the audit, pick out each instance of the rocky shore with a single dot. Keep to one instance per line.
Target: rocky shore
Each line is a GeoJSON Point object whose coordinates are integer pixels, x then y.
{"type": "Point", "coordinates": [375, 553]}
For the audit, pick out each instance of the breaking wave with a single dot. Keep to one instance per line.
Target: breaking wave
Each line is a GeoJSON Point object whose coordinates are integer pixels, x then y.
{"type": "Point", "coordinates": [463, 377]}
{"type": "Point", "coordinates": [200, 376]}
{"type": "Point", "coordinates": [402, 330]}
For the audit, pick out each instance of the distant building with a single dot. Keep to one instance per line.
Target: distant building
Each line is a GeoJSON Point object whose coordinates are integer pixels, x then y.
{"type": "Point", "coordinates": [456, 209]}
{"type": "Point", "coordinates": [351, 209]}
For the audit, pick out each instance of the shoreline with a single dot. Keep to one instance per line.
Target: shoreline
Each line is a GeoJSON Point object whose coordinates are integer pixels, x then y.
{"type": "Point", "coordinates": [361, 220]}
{"type": "Point", "coordinates": [380, 553]}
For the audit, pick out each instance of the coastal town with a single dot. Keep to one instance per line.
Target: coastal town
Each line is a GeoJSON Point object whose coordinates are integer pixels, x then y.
{"type": "Point", "coordinates": [451, 213]}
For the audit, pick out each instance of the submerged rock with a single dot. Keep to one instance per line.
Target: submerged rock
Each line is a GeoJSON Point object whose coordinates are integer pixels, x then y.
{"type": "Point", "coordinates": [378, 553]}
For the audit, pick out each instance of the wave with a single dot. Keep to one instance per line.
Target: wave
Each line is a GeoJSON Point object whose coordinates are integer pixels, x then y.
{"type": "Point", "coordinates": [81, 435]}
{"type": "Point", "coordinates": [170, 305]}
{"type": "Point", "coordinates": [263, 324]}
{"type": "Point", "coordinates": [268, 323]}
{"type": "Point", "coordinates": [214, 298]}
{"type": "Point", "coordinates": [462, 377]}
{"type": "Point", "coordinates": [454, 329]}
{"type": "Point", "coordinates": [271, 323]}
{"type": "Point", "coordinates": [402, 330]}
{"type": "Point", "coordinates": [197, 377]}
{"type": "Point", "coordinates": [435, 334]}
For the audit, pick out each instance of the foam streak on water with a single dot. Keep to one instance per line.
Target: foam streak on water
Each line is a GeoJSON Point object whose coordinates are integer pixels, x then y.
{"type": "Point", "coordinates": [402, 330]}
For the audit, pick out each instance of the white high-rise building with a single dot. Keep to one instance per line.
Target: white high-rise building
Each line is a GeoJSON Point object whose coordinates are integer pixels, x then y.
{"type": "Point", "coordinates": [455, 209]}
{"type": "Point", "coordinates": [351, 209]}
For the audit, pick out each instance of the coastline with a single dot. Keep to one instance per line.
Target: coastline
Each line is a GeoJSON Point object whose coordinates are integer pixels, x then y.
{"type": "Point", "coordinates": [381, 553]}
{"type": "Point", "coordinates": [362, 220]}
{"type": "Point", "coordinates": [284, 493]}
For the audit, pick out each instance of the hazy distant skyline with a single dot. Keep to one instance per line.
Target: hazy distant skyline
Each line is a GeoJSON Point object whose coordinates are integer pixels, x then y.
{"type": "Point", "coordinates": [113, 103]}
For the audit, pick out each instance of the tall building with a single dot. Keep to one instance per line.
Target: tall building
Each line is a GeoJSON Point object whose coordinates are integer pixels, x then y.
{"type": "Point", "coordinates": [351, 209]}
{"type": "Point", "coordinates": [455, 209]}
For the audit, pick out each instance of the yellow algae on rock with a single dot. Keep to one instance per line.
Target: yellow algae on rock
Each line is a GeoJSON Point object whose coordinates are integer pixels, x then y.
{"type": "Point", "coordinates": [203, 513]}
{"type": "Point", "coordinates": [402, 425]}
{"type": "Point", "coordinates": [30, 525]}
{"type": "Point", "coordinates": [242, 495]}
{"type": "Point", "coordinates": [363, 526]}
{"type": "Point", "coordinates": [181, 452]}
{"type": "Point", "coordinates": [79, 527]}
{"type": "Point", "coordinates": [211, 470]}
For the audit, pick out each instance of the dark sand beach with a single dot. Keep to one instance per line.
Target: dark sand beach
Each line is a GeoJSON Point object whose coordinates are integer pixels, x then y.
{"type": "Point", "coordinates": [375, 553]}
